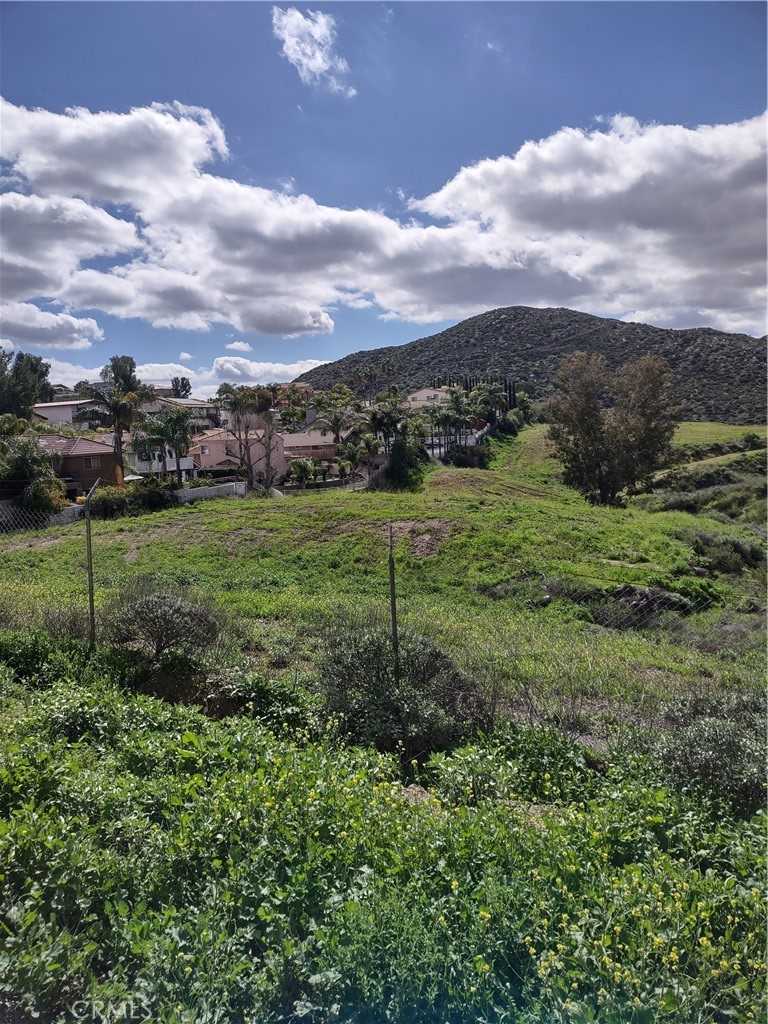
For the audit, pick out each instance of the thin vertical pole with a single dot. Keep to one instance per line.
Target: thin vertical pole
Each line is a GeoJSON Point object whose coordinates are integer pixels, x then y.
{"type": "Point", "coordinates": [393, 605]}
{"type": "Point", "coordinates": [89, 566]}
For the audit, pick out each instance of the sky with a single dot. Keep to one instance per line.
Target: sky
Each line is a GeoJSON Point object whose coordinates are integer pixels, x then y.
{"type": "Point", "coordinates": [240, 191]}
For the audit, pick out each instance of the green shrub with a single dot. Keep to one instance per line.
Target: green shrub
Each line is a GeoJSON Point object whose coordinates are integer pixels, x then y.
{"type": "Point", "coordinates": [428, 705]}
{"type": "Point", "coordinates": [159, 618]}
{"type": "Point", "coordinates": [463, 456]}
{"type": "Point", "coordinates": [405, 469]}
{"type": "Point", "coordinates": [109, 502]}
{"type": "Point", "coordinates": [727, 554]}
{"type": "Point", "coordinates": [282, 705]}
{"type": "Point", "coordinates": [514, 763]}
{"type": "Point", "coordinates": [44, 495]}
{"type": "Point", "coordinates": [723, 758]}
{"type": "Point", "coordinates": [150, 495]}
{"type": "Point", "coordinates": [208, 870]}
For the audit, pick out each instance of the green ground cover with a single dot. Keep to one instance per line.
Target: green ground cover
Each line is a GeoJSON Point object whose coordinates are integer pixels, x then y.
{"type": "Point", "coordinates": [707, 432]}
{"type": "Point", "coordinates": [259, 869]}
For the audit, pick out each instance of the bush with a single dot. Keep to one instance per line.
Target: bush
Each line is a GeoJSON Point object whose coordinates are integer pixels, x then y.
{"type": "Point", "coordinates": [430, 705]}
{"type": "Point", "coordinates": [468, 456]}
{"type": "Point", "coordinates": [725, 759]}
{"type": "Point", "coordinates": [109, 502]}
{"type": "Point", "coordinates": [514, 763]}
{"type": "Point", "coordinates": [152, 494]}
{"type": "Point", "coordinates": [727, 554]}
{"type": "Point", "coordinates": [405, 469]}
{"type": "Point", "coordinates": [157, 617]}
{"type": "Point", "coordinates": [148, 496]}
{"type": "Point", "coordinates": [282, 705]}
{"type": "Point", "coordinates": [44, 495]}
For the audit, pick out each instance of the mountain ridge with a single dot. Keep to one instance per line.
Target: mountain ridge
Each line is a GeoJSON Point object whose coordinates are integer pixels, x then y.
{"type": "Point", "coordinates": [718, 375]}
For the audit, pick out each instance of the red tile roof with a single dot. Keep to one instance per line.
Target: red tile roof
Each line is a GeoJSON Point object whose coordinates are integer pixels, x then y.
{"type": "Point", "coordinates": [73, 445]}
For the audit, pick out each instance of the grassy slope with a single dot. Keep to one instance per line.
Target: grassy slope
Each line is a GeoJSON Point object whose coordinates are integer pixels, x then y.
{"type": "Point", "coordinates": [466, 531]}
{"type": "Point", "coordinates": [707, 432]}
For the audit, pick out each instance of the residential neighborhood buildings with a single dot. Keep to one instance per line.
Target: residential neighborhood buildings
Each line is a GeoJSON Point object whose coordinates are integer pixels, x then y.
{"type": "Point", "coordinates": [61, 411]}
{"type": "Point", "coordinates": [220, 449]}
{"type": "Point", "coordinates": [426, 397]}
{"type": "Point", "coordinates": [80, 462]}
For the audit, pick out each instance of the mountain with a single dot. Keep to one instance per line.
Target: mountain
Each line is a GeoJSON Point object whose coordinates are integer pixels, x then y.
{"type": "Point", "coordinates": [718, 376]}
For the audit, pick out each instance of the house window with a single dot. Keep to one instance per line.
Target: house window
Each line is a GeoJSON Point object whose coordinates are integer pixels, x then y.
{"type": "Point", "coordinates": [203, 449]}
{"type": "Point", "coordinates": [91, 462]}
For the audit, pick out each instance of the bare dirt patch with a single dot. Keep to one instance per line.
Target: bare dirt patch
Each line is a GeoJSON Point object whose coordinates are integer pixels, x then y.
{"type": "Point", "coordinates": [425, 537]}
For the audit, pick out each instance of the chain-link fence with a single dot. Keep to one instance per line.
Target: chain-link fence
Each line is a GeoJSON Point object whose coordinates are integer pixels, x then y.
{"type": "Point", "coordinates": [609, 603]}
{"type": "Point", "coordinates": [14, 518]}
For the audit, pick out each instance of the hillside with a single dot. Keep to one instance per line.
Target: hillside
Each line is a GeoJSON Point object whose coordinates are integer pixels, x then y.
{"type": "Point", "coordinates": [718, 376]}
{"type": "Point", "coordinates": [197, 828]}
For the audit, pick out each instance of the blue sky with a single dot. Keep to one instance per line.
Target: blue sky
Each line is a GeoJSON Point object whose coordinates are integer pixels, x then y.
{"type": "Point", "coordinates": [437, 88]}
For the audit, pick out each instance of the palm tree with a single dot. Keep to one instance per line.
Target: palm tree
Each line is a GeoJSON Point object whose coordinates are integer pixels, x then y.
{"type": "Point", "coordinates": [301, 471]}
{"type": "Point", "coordinates": [152, 433]}
{"type": "Point", "coordinates": [178, 423]}
{"type": "Point", "coordinates": [489, 399]}
{"type": "Point", "coordinates": [338, 419]}
{"type": "Point", "coordinates": [118, 409]}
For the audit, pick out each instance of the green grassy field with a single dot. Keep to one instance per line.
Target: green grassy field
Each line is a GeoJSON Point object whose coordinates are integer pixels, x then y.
{"type": "Point", "coordinates": [251, 865]}
{"type": "Point", "coordinates": [465, 545]}
{"type": "Point", "coordinates": [707, 432]}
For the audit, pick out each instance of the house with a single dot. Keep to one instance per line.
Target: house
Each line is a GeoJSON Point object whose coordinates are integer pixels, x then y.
{"type": "Point", "coordinates": [204, 414]}
{"type": "Point", "coordinates": [310, 444]}
{"type": "Point", "coordinates": [61, 411]}
{"type": "Point", "coordinates": [149, 460]}
{"type": "Point", "coordinates": [81, 462]}
{"type": "Point", "coordinates": [220, 450]}
{"type": "Point", "coordinates": [426, 398]}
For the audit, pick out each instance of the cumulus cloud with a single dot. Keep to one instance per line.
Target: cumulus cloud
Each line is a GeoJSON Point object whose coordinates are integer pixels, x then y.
{"type": "Point", "coordinates": [44, 239]}
{"type": "Point", "coordinates": [308, 42]}
{"type": "Point", "coordinates": [184, 357]}
{"type": "Point", "coordinates": [204, 381]}
{"type": "Point", "coordinates": [26, 326]}
{"type": "Point", "coordinates": [109, 157]}
{"type": "Point", "coordinates": [658, 222]}
{"type": "Point", "coordinates": [238, 346]}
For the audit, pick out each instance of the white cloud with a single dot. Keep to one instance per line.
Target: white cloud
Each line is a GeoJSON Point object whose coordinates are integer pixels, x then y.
{"type": "Point", "coordinates": [184, 357]}
{"type": "Point", "coordinates": [26, 326]}
{"type": "Point", "coordinates": [238, 346]}
{"type": "Point", "coordinates": [308, 42]}
{"type": "Point", "coordinates": [660, 222]}
{"type": "Point", "coordinates": [106, 156]}
{"type": "Point", "coordinates": [44, 239]}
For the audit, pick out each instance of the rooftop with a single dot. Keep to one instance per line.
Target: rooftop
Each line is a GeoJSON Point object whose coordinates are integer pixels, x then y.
{"type": "Point", "coordinates": [68, 401]}
{"type": "Point", "coordinates": [73, 445]}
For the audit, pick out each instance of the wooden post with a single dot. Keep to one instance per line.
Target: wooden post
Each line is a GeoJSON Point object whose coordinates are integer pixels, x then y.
{"type": "Point", "coordinates": [89, 568]}
{"type": "Point", "coordinates": [393, 606]}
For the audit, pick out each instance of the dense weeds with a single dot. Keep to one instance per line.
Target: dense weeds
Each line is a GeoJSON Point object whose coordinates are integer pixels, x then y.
{"type": "Point", "coordinates": [268, 866]}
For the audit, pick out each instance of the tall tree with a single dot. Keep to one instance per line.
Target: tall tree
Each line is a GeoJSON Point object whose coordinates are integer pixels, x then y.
{"type": "Point", "coordinates": [252, 420]}
{"type": "Point", "coordinates": [644, 417]}
{"type": "Point", "coordinates": [23, 383]}
{"type": "Point", "coordinates": [118, 401]}
{"type": "Point", "coordinates": [120, 372]}
{"type": "Point", "coordinates": [605, 450]}
{"type": "Point", "coordinates": [172, 429]}
{"type": "Point", "coordinates": [181, 387]}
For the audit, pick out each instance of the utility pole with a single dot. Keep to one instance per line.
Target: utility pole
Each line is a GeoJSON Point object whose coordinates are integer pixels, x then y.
{"type": "Point", "coordinates": [393, 606]}
{"type": "Point", "coordinates": [89, 566]}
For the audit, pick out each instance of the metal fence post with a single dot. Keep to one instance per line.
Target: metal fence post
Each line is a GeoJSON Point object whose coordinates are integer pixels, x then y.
{"type": "Point", "coordinates": [393, 606]}
{"type": "Point", "coordinates": [89, 566]}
